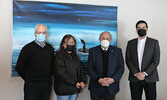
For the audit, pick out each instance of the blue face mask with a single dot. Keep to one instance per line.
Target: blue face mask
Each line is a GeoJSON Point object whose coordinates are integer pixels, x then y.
{"type": "Point", "coordinates": [40, 37]}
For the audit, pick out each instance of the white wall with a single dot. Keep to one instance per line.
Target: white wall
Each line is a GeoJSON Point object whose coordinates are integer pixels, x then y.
{"type": "Point", "coordinates": [129, 12]}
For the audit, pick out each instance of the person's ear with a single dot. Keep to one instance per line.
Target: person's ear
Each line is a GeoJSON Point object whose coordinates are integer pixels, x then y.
{"type": "Point", "coordinates": [65, 46]}
{"type": "Point", "coordinates": [146, 30]}
{"type": "Point", "coordinates": [35, 34]}
{"type": "Point", "coordinates": [99, 40]}
{"type": "Point", "coordinates": [110, 40]}
{"type": "Point", "coordinates": [46, 36]}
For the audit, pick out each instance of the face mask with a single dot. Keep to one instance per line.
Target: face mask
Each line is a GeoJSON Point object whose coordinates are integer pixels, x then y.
{"type": "Point", "coordinates": [141, 32]}
{"type": "Point", "coordinates": [70, 47]}
{"type": "Point", "coordinates": [105, 43]}
{"type": "Point", "coordinates": [40, 37]}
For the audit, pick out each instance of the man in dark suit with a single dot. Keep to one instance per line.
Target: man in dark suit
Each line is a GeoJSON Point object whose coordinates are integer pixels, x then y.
{"type": "Point", "coordinates": [105, 68]}
{"type": "Point", "coordinates": [142, 59]}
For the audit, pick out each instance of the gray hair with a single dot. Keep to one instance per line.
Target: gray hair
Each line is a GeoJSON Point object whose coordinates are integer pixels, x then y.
{"type": "Point", "coordinates": [105, 32]}
{"type": "Point", "coordinates": [38, 25]}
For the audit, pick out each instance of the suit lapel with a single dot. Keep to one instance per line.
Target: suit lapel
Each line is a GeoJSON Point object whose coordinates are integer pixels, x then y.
{"type": "Point", "coordinates": [144, 53]}
{"type": "Point", "coordinates": [136, 53]}
{"type": "Point", "coordinates": [110, 59]}
{"type": "Point", "coordinates": [99, 58]}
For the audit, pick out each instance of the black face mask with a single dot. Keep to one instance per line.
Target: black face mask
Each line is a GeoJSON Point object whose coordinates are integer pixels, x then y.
{"type": "Point", "coordinates": [70, 47]}
{"type": "Point", "coordinates": [141, 32]}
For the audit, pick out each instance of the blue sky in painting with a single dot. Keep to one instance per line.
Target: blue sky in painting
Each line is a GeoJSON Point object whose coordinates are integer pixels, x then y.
{"type": "Point", "coordinates": [82, 21]}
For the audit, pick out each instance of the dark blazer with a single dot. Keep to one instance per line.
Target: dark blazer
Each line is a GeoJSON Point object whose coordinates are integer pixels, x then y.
{"type": "Point", "coordinates": [67, 72]}
{"type": "Point", "coordinates": [150, 61]}
{"type": "Point", "coordinates": [95, 69]}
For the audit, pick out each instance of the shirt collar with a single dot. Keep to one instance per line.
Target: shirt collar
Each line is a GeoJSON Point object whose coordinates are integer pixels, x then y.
{"type": "Point", "coordinates": [104, 49]}
{"type": "Point", "coordinates": [142, 39]}
{"type": "Point", "coordinates": [38, 43]}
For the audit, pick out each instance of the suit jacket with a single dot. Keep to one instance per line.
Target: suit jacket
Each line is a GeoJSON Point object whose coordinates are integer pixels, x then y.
{"type": "Point", "coordinates": [150, 61]}
{"type": "Point", "coordinates": [95, 69]}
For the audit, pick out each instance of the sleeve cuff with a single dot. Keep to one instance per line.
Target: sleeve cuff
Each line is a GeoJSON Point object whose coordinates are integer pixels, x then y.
{"type": "Point", "coordinates": [145, 73]}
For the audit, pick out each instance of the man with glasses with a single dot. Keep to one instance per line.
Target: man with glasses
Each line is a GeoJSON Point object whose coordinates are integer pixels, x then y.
{"type": "Point", "coordinates": [34, 66]}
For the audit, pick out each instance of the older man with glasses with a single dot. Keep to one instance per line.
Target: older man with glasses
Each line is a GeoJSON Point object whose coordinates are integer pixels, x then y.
{"type": "Point", "coordinates": [34, 66]}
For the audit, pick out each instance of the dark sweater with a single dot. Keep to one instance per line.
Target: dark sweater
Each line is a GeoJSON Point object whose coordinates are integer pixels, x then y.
{"type": "Point", "coordinates": [105, 55]}
{"type": "Point", "coordinates": [34, 62]}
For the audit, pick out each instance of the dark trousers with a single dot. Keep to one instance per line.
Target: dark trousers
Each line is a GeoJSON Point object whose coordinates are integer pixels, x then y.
{"type": "Point", "coordinates": [37, 91]}
{"type": "Point", "coordinates": [105, 96]}
{"type": "Point", "coordinates": [137, 90]}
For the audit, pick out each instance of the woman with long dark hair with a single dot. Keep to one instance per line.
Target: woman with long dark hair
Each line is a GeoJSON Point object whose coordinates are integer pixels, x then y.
{"type": "Point", "coordinates": [68, 74]}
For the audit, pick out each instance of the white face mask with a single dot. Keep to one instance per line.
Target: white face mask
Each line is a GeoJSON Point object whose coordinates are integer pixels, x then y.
{"type": "Point", "coordinates": [105, 43]}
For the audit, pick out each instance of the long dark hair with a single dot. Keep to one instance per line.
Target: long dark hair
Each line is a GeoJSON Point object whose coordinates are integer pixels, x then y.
{"type": "Point", "coordinates": [64, 51]}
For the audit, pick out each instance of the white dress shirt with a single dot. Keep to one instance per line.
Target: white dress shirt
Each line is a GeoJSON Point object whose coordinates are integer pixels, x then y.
{"type": "Point", "coordinates": [140, 50]}
{"type": "Point", "coordinates": [105, 48]}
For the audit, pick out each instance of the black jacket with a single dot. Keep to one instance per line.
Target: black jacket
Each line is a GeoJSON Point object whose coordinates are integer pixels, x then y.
{"type": "Point", "coordinates": [150, 61]}
{"type": "Point", "coordinates": [67, 72]}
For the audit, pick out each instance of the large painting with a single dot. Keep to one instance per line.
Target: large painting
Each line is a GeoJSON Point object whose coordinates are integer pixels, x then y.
{"type": "Point", "coordinates": [84, 22]}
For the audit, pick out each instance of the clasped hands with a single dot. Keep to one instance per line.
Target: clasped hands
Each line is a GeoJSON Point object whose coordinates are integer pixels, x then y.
{"type": "Point", "coordinates": [140, 75]}
{"type": "Point", "coordinates": [106, 81]}
{"type": "Point", "coordinates": [80, 85]}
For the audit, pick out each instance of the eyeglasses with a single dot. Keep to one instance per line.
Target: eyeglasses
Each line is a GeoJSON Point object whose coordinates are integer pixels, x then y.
{"type": "Point", "coordinates": [41, 32]}
{"type": "Point", "coordinates": [69, 42]}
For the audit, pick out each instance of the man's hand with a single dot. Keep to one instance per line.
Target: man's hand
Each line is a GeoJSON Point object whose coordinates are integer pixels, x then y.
{"type": "Point", "coordinates": [106, 81]}
{"type": "Point", "coordinates": [102, 81]}
{"type": "Point", "coordinates": [109, 81]}
{"type": "Point", "coordinates": [141, 75]}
